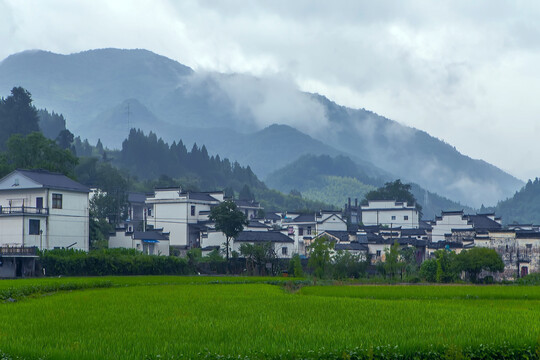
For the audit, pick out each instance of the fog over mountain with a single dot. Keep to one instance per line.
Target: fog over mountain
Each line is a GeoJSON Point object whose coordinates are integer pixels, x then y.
{"type": "Point", "coordinates": [103, 93]}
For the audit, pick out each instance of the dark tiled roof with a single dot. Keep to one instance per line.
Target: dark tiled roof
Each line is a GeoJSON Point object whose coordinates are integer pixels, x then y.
{"type": "Point", "coordinates": [340, 235]}
{"type": "Point", "coordinates": [201, 196]}
{"type": "Point", "coordinates": [527, 234]}
{"type": "Point", "coordinates": [424, 225]}
{"type": "Point", "coordinates": [149, 235]}
{"type": "Point", "coordinates": [442, 245]}
{"type": "Point", "coordinates": [413, 232]}
{"type": "Point", "coordinates": [483, 222]}
{"type": "Point", "coordinates": [304, 218]}
{"type": "Point", "coordinates": [256, 224]}
{"type": "Point", "coordinates": [272, 216]}
{"type": "Point", "coordinates": [351, 246]}
{"type": "Point", "coordinates": [53, 180]}
{"type": "Point", "coordinates": [263, 236]}
{"type": "Point", "coordinates": [135, 197]}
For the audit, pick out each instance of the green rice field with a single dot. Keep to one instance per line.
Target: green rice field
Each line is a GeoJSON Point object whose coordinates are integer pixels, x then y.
{"type": "Point", "coordinates": [168, 317]}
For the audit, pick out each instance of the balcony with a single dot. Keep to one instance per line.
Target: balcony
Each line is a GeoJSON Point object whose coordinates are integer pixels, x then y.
{"type": "Point", "coordinates": [23, 210]}
{"type": "Point", "coordinates": [18, 251]}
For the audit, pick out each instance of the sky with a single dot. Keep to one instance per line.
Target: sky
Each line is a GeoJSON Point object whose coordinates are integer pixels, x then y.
{"type": "Point", "coordinates": [466, 72]}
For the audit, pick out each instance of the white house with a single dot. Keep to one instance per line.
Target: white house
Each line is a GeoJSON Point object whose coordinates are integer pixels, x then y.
{"type": "Point", "coordinates": [181, 214]}
{"type": "Point", "coordinates": [149, 242]}
{"type": "Point", "coordinates": [283, 245]}
{"type": "Point", "coordinates": [453, 221]}
{"type": "Point", "coordinates": [390, 213]}
{"type": "Point", "coordinates": [43, 209]}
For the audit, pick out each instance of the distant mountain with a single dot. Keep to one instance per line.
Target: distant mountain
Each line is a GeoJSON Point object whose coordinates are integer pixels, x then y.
{"type": "Point", "coordinates": [334, 180]}
{"type": "Point", "coordinates": [523, 207]}
{"type": "Point", "coordinates": [230, 113]}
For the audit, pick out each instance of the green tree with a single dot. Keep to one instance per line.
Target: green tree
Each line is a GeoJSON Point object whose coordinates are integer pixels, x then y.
{"type": "Point", "coordinates": [258, 255]}
{"type": "Point", "coordinates": [35, 151]}
{"type": "Point", "coordinates": [475, 260]}
{"type": "Point", "coordinates": [347, 265]}
{"type": "Point", "coordinates": [447, 266]}
{"type": "Point", "coordinates": [428, 270]}
{"type": "Point", "coordinates": [319, 257]}
{"type": "Point", "coordinates": [295, 266]}
{"type": "Point", "coordinates": [229, 220]}
{"type": "Point", "coordinates": [246, 194]}
{"type": "Point", "coordinates": [392, 261]}
{"type": "Point", "coordinates": [17, 115]}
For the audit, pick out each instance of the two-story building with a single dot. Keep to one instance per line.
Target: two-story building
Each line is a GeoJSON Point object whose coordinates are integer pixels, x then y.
{"type": "Point", "coordinates": [390, 213]}
{"type": "Point", "coordinates": [42, 209]}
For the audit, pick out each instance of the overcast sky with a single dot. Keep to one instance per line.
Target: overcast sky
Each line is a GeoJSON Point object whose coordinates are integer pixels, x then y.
{"type": "Point", "coordinates": [466, 72]}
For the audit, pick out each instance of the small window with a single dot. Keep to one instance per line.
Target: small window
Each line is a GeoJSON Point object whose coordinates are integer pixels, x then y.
{"type": "Point", "coordinates": [406, 217]}
{"type": "Point", "coordinates": [284, 250]}
{"type": "Point", "coordinates": [192, 210]}
{"type": "Point", "coordinates": [33, 228]}
{"type": "Point", "coordinates": [393, 217]}
{"type": "Point", "coordinates": [300, 231]}
{"type": "Point", "coordinates": [149, 211]}
{"type": "Point", "coordinates": [39, 202]}
{"type": "Point", "coordinates": [56, 201]}
{"type": "Point", "coordinates": [378, 253]}
{"type": "Point", "coordinates": [309, 230]}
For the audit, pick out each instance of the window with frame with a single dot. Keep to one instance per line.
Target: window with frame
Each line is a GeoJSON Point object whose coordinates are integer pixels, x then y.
{"type": "Point", "coordinates": [33, 227]}
{"type": "Point", "coordinates": [56, 201]}
{"type": "Point", "coordinates": [284, 250]}
{"type": "Point", "coordinates": [406, 217]}
{"type": "Point", "coordinates": [192, 210]}
{"type": "Point", "coordinates": [149, 211]}
{"type": "Point", "coordinates": [393, 217]}
{"type": "Point", "coordinates": [300, 231]}
{"type": "Point", "coordinates": [309, 230]}
{"type": "Point", "coordinates": [378, 253]}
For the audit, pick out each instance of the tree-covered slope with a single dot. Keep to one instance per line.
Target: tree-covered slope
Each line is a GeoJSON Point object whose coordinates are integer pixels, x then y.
{"type": "Point", "coordinates": [335, 179]}
{"type": "Point", "coordinates": [523, 207]}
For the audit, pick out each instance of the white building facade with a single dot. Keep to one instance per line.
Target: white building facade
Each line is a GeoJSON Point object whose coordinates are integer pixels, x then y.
{"type": "Point", "coordinates": [393, 214]}
{"type": "Point", "coordinates": [43, 209]}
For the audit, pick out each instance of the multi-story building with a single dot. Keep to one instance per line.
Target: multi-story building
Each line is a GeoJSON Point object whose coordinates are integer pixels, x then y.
{"type": "Point", "coordinates": [390, 213]}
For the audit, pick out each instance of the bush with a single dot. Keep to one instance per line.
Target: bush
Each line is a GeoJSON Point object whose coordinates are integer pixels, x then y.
{"type": "Point", "coordinates": [110, 262]}
{"type": "Point", "coordinates": [428, 270]}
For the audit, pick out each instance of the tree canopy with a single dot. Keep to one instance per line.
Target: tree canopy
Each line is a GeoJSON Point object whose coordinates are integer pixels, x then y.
{"type": "Point", "coordinates": [394, 190]}
{"type": "Point", "coordinates": [17, 115]}
{"type": "Point", "coordinates": [229, 220]}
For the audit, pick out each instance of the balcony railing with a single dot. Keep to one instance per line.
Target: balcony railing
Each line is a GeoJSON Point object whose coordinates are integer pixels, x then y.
{"type": "Point", "coordinates": [18, 250]}
{"type": "Point", "coordinates": [23, 210]}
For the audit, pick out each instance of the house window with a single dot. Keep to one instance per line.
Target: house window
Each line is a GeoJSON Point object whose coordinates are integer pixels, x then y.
{"type": "Point", "coordinates": [39, 202]}
{"type": "Point", "coordinates": [284, 250]}
{"type": "Point", "coordinates": [33, 228]}
{"type": "Point", "coordinates": [149, 212]}
{"type": "Point", "coordinates": [309, 230]}
{"type": "Point", "coordinates": [393, 217]}
{"type": "Point", "coordinates": [406, 217]}
{"type": "Point", "coordinates": [300, 231]}
{"type": "Point", "coordinates": [56, 201]}
{"type": "Point", "coordinates": [378, 253]}
{"type": "Point", "coordinates": [192, 210]}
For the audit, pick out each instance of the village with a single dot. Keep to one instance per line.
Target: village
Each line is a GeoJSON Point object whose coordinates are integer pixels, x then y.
{"type": "Point", "coordinates": [45, 211]}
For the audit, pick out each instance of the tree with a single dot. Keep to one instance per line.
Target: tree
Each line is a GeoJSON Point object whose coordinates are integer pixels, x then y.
{"type": "Point", "coordinates": [392, 261]}
{"type": "Point", "coordinates": [347, 265]}
{"type": "Point", "coordinates": [428, 270]}
{"type": "Point", "coordinates": [319, 256]}
{"type": "Point", "coordinates": [17, 115]}
{"type": "Point", "coordinates": [258, 255]}
{"type": "Point", "coordinates": [246, 194]}
{"type": "Point", "coordinates": [395, 190]}
{"type": "Point", "coordinates": [229, 220]}
{"type": "Point", "coordinates": [475, 260]}
{"type": "Point", "coordinates": [35, 151]}
{"type": "Point", "coordinates": [65, 140]}
{"type": "Point", "coordinates": [295, 266]}
{"type": "Point", "coordinates": [447, 267]}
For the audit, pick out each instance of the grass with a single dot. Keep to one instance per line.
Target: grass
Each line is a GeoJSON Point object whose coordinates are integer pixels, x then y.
{"type": "Point", "coordinates": [192, 317]}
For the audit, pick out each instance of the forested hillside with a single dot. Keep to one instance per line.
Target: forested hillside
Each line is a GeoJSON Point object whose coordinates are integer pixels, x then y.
{"type": "Point", "coordinates": [523, 207]}
{"type": "Point", "coordinates": [333, 180]}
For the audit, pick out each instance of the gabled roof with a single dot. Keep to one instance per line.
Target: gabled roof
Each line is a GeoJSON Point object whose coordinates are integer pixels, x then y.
{"type": "Point", "coordinates": [304, 218]}
{"type": "Point", "coordinates": [263, 236]}
{"type": "Point", "coordinates": [272, 216]}
{"type": "Point", "coordinates": [256, 224]}
{"type": "Point", "coordinates": [351, 246]}
{"type": "Point", "coordinates": [247, 203]}
{"type": "Point", "coordinates": [413, 232]}
{"type": "Point", "coordinates": [201, 196]}
{"type": "Point", "coordinates": [483, 222]}
{"type": "Point", "coordinates": [51, 180]}
{"type": "Point", "coordinates": [341, 236]}
{"type": "Point", "coordinates": [136, 197]}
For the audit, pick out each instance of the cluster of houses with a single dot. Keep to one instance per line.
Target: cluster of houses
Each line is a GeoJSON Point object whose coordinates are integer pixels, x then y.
{"type": "Point", "coordinates": [43, 210]}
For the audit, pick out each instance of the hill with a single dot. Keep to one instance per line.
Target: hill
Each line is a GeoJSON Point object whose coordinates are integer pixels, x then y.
{"type": "Point", "coordinates": [334, 180]}
{"type": "Point", "coordinates": [92, 88]}
{"type": "Point", "coordinates": [523, 207]}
